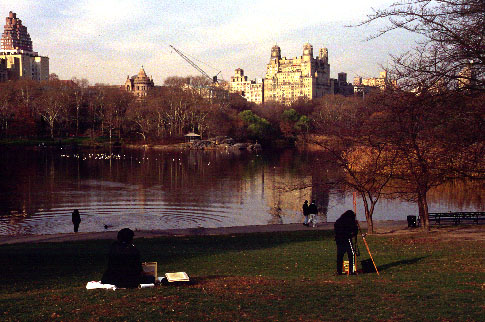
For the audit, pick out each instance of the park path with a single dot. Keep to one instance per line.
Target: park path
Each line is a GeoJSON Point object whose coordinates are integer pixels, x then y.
{"type": "Point", "coordinates": [387, 227]}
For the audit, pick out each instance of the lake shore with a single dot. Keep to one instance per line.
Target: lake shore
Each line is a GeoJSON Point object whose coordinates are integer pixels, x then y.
{"type": "Point", "coordinates": [381, 227]}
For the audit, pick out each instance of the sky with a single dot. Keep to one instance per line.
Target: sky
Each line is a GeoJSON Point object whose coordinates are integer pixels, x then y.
{"type": "Point", "coordinates": [106, 40]}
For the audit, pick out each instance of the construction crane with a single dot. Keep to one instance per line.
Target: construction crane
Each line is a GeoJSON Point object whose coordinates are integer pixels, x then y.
{"type": "Point", "coordinates": [188, 60]}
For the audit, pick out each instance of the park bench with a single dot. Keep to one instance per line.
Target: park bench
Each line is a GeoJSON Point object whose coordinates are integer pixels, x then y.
{"type": "Point", "coordinates": [455, 218]}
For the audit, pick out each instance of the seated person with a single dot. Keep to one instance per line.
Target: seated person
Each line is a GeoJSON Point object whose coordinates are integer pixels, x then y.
{"type": "Point", "coordinates": [124, 264]}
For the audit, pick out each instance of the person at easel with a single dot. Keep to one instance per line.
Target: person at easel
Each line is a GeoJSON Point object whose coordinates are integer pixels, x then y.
{"type": "Point", "coordinates": [345, 230]}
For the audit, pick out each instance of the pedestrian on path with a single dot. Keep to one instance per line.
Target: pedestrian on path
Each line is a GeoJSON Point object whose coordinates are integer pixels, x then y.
{"type": "Point", "coordinates": [312, 214]}
{"type": "Point", "coordinates": [76, 219]}
{"type": "Point", "coordinates": [305, 212]}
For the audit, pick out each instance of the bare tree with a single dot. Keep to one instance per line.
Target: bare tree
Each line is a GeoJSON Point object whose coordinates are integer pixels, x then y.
{"type": "Point", "coordinates": [52, 104]}
{"type": "Point", "coordinates": [432, 138]}
{"type": "Point", "coordinates": [116, 102]}
{"type": "Point", "coordinates": [7, 102]}
{"type": "Point", "coordinates": [79, 93]}
{"type": "Point", "coordinates": [142, 120]}
{"type": "Point", "coordinates": [346, 130]}
{"type": "Point", "coordinates": [452, 52]}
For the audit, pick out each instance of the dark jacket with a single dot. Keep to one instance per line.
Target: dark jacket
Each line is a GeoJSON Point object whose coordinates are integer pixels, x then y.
{"type": "Point", "coordinates": [345, 227]}
{"type": "Point", "coordinates": [124, 266]}
{"type": "Point", "coordinates": [312, 209]}
{"type": "Point", "coordinates": [305, 209]}
{"type": "Point", "coordinates": [76, 217]}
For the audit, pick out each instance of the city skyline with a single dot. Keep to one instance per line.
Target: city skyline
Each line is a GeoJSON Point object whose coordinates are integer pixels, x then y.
{"type": "Point", "coordinates": [106, 41]}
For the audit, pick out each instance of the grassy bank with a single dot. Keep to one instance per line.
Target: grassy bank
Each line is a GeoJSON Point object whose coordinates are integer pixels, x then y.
{"type": "Point", "coordinates": [253, 277]}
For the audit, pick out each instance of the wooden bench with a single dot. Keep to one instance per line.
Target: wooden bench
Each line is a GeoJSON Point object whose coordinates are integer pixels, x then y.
{"type": "Point", "coordinates": [455, 218]}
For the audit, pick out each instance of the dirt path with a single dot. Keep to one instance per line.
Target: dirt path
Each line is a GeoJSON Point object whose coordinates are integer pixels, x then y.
{"type": "Point", "coordinates": [465, 232]}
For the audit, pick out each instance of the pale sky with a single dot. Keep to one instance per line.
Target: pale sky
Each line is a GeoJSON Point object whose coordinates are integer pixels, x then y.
{"type": "Point", "coordinates": [106, 40]}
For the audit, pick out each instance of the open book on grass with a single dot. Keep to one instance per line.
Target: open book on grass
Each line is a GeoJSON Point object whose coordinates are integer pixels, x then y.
{"type": "Point", "coordinates": [177, 277]}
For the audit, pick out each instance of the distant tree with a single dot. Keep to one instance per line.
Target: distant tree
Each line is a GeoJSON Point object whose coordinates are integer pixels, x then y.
{"type": "Point", "coordinates": [96, 105]}
{"type": "Point", "coordinates": [8, 100]}
{"type": "Point", "coordinates": [141, 120]}
{"type": "Point", "coordinates": [291, 123]}
{"type": "Point", "coordinates": [258, 128]}
{"type": "Point", "coordinates": [79, 94]}
{"type": "Point", "coordinates": [53, 77]}
{"type": "Point", "coordinates": [303, 124]}
{"type": "Point", "coordinates": [52, 105]}
{"type": "Point", "coordinates": [176, 81]}
{"type": "Point", "coordinates": [198, 118]}
{"type": "Point", "coordinates": [337, 109]}
{"type": "Point", "coordinates": [222, 121]}
{"type": "Point", "coordinates": [115, 104]}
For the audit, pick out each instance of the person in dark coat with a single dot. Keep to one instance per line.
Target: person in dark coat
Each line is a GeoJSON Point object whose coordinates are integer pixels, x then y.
{"type": "Point", "coordinates": [312, 213]}
{"type": "Point", "coordinates": [76, 219]}
{"type": "Point", "coordinates": [124, 264]}
{"type": "Point", "coordinates": [345, 229]}
{"type": "Point", "coordinates": [305, 212]}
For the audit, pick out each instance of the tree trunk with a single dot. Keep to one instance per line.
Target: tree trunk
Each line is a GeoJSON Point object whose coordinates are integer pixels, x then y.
{"type": "Point", "coordinates": [423, 210]}
{"type": "Point", "coordinates": [368, 213]}
{"type": "Point", "coordinates": [77, 120]}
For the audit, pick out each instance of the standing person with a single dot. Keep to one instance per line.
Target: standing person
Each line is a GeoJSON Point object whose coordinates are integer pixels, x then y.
{"type": "Point", "coordinates": [305, 212]}
{"type": "Point", "coordinates": [124, 264]}
{"type": "Point", "coordinates": [345, 229]}
{"type": "Point", "coordinates": [312, 213]}
{"type": "Point", "coordinates": [76, 219]}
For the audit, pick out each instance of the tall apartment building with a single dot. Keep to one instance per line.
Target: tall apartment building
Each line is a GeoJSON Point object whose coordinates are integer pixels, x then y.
{"type": "Point", "coordinates": [251, 90]}
{"type": "Point", "coordinates": [288, 80]}
{"type": "Point", "coordinates": [366, 85]}
{"type": "Point", "coordinates": [17, 53]}
{"type": "Point", "coordinates": [341, 86]}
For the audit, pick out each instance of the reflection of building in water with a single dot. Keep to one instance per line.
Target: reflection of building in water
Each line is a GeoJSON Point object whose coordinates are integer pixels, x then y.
{"type": "Point", "coordinates": [285, 193]}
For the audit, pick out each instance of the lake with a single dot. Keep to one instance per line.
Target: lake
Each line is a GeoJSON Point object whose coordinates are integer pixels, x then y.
{"type": "Point", "coordinates": [146, 189]}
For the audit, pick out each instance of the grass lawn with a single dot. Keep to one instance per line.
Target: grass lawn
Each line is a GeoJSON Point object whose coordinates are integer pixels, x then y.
{"type": "Point", "coordinates": [250, 277]}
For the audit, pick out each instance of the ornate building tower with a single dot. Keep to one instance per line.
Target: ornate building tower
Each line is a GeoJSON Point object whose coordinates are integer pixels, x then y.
{"type": "Point", "coordinates": [15, 35]}
{"type": "Point", "coordinates": [139, 84]}
{"type": "Point", "coordinates": [276, 53]}
{"type": "Point", "coordinates": [323, 55]}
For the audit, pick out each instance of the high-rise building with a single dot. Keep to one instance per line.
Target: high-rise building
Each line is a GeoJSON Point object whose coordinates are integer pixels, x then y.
{"type": "Point", "coordinates": [366, 85]}
{"type": "Point", "coordinates": [17, 53]}
{"type": "Point", "coordinates": [288, 80]}
{"type": "Point", "coordinates": [251, 90]}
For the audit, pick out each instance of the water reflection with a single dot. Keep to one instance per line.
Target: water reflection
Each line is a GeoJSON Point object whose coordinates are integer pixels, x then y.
{"type": "Point", "coordinates": [173, 189]}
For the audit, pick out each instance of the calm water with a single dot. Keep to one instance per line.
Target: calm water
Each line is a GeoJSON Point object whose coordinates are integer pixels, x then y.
{"type": "Point", "coordinates": [164, 190]}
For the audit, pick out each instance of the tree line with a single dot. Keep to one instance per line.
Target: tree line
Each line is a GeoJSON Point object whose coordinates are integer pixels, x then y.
{"type": "Point", "coordinates": [58, 109]}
